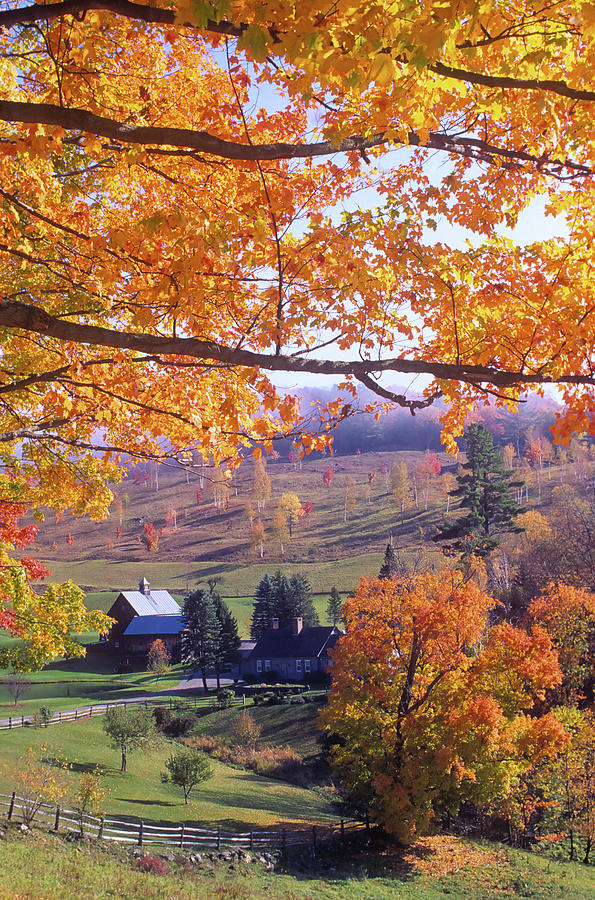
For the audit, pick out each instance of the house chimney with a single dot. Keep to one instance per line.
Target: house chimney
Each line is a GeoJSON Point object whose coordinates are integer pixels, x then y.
{"type": "Point", "coordinates": [144, 587]}
{"type": "Point", "coordinates": [275, 623]}
{"type": "Point", "coordinates": [296, 625]}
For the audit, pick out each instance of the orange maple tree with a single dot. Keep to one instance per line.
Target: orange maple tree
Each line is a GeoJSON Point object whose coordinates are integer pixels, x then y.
{"type": "Point", "coordinates": [429, 707]}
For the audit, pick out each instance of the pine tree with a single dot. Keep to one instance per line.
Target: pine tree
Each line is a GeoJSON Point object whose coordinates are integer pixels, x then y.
{"type": "Point", "coordinates": [262, 613]}
{"type": "Point", "coordinates": [334, 606]}
{"type": "Point", "coordinates": [486, 490]}
{"type": "Point", "coordinates": [390, 565]}
{"type": "Point", "coordinates": [201, 635]}
{"type": "Point", "coordinates": [284, 599]}
{"type": "Point", "coordinates": [299, 602]}
{"type": "Point", "coordinates": [229, 639]}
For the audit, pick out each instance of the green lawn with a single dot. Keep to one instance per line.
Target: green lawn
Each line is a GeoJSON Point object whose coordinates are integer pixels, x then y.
{"type": "Point", "coordinates": [233, 798]}
{"type": "Point", "coordinates": [45, 867]}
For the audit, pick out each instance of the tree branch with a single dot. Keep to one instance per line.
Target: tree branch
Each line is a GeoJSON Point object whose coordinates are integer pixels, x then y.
{"type": "Point", "coordinates": [75, 119]}
{"type": "Point", "coordinates": [30, 318]}
{"type": "Point", "coordinates": [155, 15]}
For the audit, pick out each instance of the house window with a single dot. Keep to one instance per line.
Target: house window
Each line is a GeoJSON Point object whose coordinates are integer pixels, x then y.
{"type": "Point", "coordinates": [267, 665]}
{"type": "Point", "coordinates": [307, 665]}
{"type": "Point", "coordinates": [259, 665]}
{"type": "Point", "coordinates": [298, 665]}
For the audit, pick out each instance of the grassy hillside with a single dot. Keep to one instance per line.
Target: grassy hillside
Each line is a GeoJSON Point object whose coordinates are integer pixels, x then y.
{"type": "Point", "coordinates": [45, 866]}
{"type": "Point", "coordinates": [233, 798]}
{"type": "Point", "coordinates": [336, 544]}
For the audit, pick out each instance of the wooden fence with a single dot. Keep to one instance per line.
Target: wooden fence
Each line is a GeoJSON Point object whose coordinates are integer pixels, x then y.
{"type": "Point", "coordinates": [98, 709]}
{"type": "Point", "coordinates": [182, 836]}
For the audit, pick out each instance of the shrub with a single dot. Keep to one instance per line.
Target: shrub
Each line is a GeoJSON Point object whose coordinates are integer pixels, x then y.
{"type": "Point", "coordinates": [274, 762]}
{"type": "Point", "coordinates": [225, 698]}
{"type": "Point", "coordinates": [153, 864]}
{"type": "Point", "coordinates": [45, 714]}
{"type": "Point", "coordinates": [246, 731]}
{"type": "Point", "coordinates": [163, 717]}
{"type": "Point", "coordinates": [181, 725]}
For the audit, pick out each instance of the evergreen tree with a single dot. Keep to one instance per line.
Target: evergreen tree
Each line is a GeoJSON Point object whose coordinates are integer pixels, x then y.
{"type": "Point", "coordinates": [284, 599]}
{"type": "Point", "coordinates": [201, 635]}
{"type": "Point", "coordinates": [264, 600]}
{"type": "Point", "coordinates": [390, 565]}
{"type": "Point", "coordinates": [299, 601]}
{"type": "Point", "coordinates": [486, 490]}
{"type": "Point", "coordinates": [334, 606]}
{"type": "Point", "coordinates": [229, 639]}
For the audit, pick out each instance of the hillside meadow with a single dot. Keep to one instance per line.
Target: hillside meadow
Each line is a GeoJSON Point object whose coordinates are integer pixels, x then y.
{"type": "Point", "coordinates": [233, 798]}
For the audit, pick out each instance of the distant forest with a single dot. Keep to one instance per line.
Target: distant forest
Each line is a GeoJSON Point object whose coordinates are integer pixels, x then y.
{"type": "Point", "coordinates": [399, 430]}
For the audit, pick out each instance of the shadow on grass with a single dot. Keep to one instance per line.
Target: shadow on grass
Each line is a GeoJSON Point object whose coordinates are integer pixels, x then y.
{"type": "Point", "coordinates": [85, 768]}
{"type": "Point", "coordinates": [362, 857]}
{"type": "Point", "coordinates": [149, 803]}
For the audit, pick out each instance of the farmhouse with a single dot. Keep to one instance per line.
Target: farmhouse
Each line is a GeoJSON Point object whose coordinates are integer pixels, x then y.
{"type": "Point", "coordinates": [298, 652]}
{"type": "Point", "coordinates": [143, 616]}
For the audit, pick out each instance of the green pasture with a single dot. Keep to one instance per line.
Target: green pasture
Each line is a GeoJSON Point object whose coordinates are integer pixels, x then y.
{"type": "Point", "coordinates": [233, 798]}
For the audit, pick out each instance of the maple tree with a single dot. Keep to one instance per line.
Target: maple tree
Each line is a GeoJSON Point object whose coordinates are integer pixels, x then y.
{"type": "Point", "coordinates": [291, 507]}
{"type": "Point", "coordinates": [173, 240]}
{"type": "Point", "coordinates": [158, 659]}
{"type": "Point", "coordinates": [430, 707]}
{"type": "Point", "coordinates": [400, 484]}
{"type": "Point", "coordinates": [567, 613]}
{"type": "Point", "coordinates": [129, 729]}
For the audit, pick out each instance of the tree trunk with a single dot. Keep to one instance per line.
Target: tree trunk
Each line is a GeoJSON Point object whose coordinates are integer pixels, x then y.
{"type": "Point", "coordinates": [203, 672]}
{"type": "Point", "coordinates": [123, 759]}
{"type": "Point", "coordinates": [587, 851]}
{"type": "Point", "coordinates": [218, 674]}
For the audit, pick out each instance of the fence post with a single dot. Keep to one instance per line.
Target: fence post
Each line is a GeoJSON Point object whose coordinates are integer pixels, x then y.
{"type": "Point", "coordinates": [57, 819]}
{"type": "Point", "coordinates": [60, 717]}
{"type": "Point", "coordinates": [342, 832]}
{"type": "Point", "coordinates": [11, 807]}
{"type": "Point", "coordinates": [140, 833]}
{"type": "Point", "coordinates": [76, 714]}
{"type": "Point", "coordinates": [101, 824]}
{"type": "Point", "coordinates": [10, 721]}
{"type": "Point", "coordinates": [243, 699]}
{"type": "Point", "coordinates": [284, 844]}
{"type": "Point", "coordinates": [251, 839]}
{"type": "Point", "coordinates": [23, 720]}
{"type": "Point", "coordinates": [313, 840]}
{"type": "Point", "coordinates": [91, 711]}
{"type": "Point", "coordinates": [182, 837]}
{"type": "Point", "coordinates": [367, 820]}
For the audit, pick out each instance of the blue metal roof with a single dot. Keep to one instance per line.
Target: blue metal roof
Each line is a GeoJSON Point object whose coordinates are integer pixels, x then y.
{"type": "Point", "coordinates": [147, 625]}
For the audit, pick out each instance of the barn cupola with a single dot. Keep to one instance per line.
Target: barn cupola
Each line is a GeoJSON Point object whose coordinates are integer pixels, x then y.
{"type": "Point", "coordinates": [144, 587]}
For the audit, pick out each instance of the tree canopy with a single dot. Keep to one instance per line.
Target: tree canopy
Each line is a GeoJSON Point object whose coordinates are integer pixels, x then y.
{"type": "Point", "coordinates": [179, 219]}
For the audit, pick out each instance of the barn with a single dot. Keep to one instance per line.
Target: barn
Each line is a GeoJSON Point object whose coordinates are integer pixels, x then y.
{"type": "Point", "coordinates": [141, 617]}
